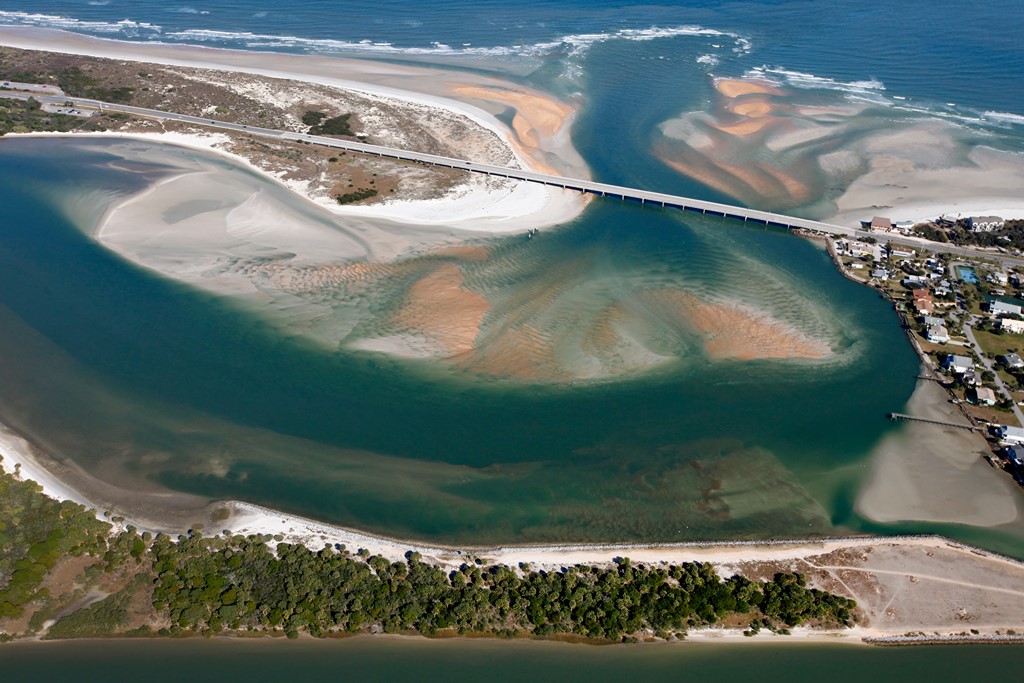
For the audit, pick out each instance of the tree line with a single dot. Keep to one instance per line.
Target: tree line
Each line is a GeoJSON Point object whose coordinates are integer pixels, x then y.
{"type": "Point", "coordinates": [209, 585]}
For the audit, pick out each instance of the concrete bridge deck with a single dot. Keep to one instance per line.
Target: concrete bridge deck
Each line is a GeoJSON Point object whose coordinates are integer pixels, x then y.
{"type": "Point", "coordinates": [659, 199]}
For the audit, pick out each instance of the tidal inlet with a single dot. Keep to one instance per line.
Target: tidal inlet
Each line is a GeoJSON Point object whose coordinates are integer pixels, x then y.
{"type": "Point", "coordinates": [630, 374]}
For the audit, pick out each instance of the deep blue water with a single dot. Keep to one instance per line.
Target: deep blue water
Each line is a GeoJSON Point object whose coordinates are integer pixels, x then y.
{"type": "Point", "coordinates": [932, 51]}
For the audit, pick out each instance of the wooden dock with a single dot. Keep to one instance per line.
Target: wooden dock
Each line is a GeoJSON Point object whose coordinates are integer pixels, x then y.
{"type": "Point", "coordinates": [940, 423]}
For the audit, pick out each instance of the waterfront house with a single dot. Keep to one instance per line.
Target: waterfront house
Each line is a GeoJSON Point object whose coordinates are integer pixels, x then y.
{"type": "Point", "coordinates": [913, 280]}
{"type": "Point", "coordinates": [948, 219]}
{"type": "Point", "coordinates": [1012, 326]}
{"type": "Point", "coordinates": [1011, 435]}
{"type": "Point", "coordinates": [924, 306]}
{"type": "Point", "coordinates": [937, 334]}
{"type": "Point", "coordinates": [984, 223]}
{"type": "Point", "coordinates": [1014, 454]}
{"type": "Point", "coordinates": [1001, 308]}
{"type": "Point", "coordinates": [1012, 360]}
{"type": "Point", "coordinates": [921, 294]}
{"type": "Point", "coordinates": [881, 223]}
{"type": "Point", "coordinates": [929, 321]}
{"type": "Point", "coordinates": [984, 396]}
{"type": "Point", "coordinates": [958, 365]}
{"type": "Point", "coordinates": [880, 273]}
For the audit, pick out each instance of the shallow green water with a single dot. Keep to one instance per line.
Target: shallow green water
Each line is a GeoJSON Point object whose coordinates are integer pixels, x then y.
{"type": "Point", "coordinates": [133, 376]}
{"type": "Point", "coordinates": [368, 660]}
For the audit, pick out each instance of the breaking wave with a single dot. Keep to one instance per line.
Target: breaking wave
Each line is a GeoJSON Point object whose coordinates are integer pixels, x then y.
{"type": "Point", "coordinates": [570, 45]}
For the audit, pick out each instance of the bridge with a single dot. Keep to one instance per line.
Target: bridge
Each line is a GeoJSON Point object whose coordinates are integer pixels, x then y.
{"type": "Point", "coordinates": [645, 197]}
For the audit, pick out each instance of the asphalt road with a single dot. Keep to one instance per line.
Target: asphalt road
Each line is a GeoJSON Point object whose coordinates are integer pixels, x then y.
{"type": "Point", "coordinates": [602, 189]}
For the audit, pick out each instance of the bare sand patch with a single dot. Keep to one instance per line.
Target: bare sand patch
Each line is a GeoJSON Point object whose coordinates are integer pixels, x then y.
{"type": "Point", "coordinates": [744, 128]}
{"type": "Point", "coordinates": [538, 114]}
{"type": "Point", "coordinates": [520, 352]}
{"type": "Point", "coordinates": [437, 306]}
{"type": "Point", "coordinates": [734, 87]}
{"type": "Point", "coordinates": [751, 107]}
{"type": "Point", "coordinates": [732, 331]}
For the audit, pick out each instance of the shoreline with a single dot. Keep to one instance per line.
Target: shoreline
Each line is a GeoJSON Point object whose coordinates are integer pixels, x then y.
{"type": "Point", "coordinates": [474, 205]}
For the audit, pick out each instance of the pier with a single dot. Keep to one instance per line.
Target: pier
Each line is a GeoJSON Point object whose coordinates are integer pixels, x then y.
{"type": "Point", "coordinates": [940, 423]}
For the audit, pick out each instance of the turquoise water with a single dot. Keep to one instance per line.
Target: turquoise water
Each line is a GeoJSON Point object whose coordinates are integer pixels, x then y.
{"type": "Point", "coordinates": [160, 382]}
{"type": "Point", "coordinates": [390, 660]}
{"type": "Point", "coordinates": [144, 382]}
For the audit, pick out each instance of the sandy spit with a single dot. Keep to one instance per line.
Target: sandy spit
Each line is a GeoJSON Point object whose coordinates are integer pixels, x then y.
{"type": "Point", "coordinates": [540, 140]}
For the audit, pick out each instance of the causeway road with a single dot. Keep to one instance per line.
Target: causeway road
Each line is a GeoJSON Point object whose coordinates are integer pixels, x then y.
{"type": "Point", "coordinates": [588, 186]}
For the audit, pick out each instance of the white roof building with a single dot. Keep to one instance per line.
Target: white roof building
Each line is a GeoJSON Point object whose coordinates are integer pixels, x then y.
{"type": "Point", "coordinates": [1012, 326]}
{"type": "Point", "coordinates": [937, 334]}
{"type": "Point", "coordinates": [984, 223]}
{"type": "Point", "coordinates": [1010, 434]}
{"type": "Point", "coordinates": [958, 364]}
{"type": "Point", "coordinates": [986, 396]}
{"type": "Point", "coordinates": [1003, 308]}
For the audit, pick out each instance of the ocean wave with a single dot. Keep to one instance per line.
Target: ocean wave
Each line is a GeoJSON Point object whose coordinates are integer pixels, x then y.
{"type": "Point", "coordinates": [191, 10]}
{"type": "Point", "coordinates": [571, 45]}
{"type": "Point", "coordinates": [1004, 117]}
{"type": "Point", "coordinates": [126, 27]}
{"type": "Point", "coordinates": [806, 81]}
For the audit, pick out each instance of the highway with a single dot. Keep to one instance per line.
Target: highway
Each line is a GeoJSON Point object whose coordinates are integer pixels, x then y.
{"type": "Point", "coordinates": [588, 186]}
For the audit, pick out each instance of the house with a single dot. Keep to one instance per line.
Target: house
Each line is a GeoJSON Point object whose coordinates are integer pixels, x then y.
{"type": "Point", "coordinates": [1012, 326]}
{"type": "Point", "coordinates": [929, 321]}
{"type": "Point", "coordinates": [937, 334]}
{"type": "Point", "coordinates": [1012, 360]}
{"type": "Point", "coordinates": [958, 364]}
{"type": "Point", "coordinates": [904, 226]}
{"type": "Point", "coordinates": [881, 223]}
{"type": "Point", "coordinates": [970, 378]}
{"type": "Point", "coordinates": [924, 306]}
{"type": "Point", "coordinates": [998, 278]}
{"type": "Point", "coordinates": [880, 273]}
{"type": "Point", "coordinates": [856, 266]}
{"type": "Point", "coordinates": [1011, 435]}
{"type": "Point", "coordinates": [912, 280]}
{"type": "Point", "coordinates": [901, 253]}
{"type": "Point", "coordinates": [1014, 454]}
{"type": "Point", "coordinates": [984, 223]}
{"type": "Point", "coordinates": [984, 396]}
{"type": "Point", "coordinates": [948, 219]}
{"type": "Point", "coordinates": [1002, 308]}
{"type": "Point", "coordinates": [921, 294]}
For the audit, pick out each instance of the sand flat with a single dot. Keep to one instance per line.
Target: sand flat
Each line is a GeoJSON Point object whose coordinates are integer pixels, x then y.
{"type": "Point", "coordinates": [735, 87]}
{"type": "Point", "coordinates": [930, 473]}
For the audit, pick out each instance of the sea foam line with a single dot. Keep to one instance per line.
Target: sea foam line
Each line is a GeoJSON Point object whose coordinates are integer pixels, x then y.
{"type": "Point", "coordinates": [572, 44]}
